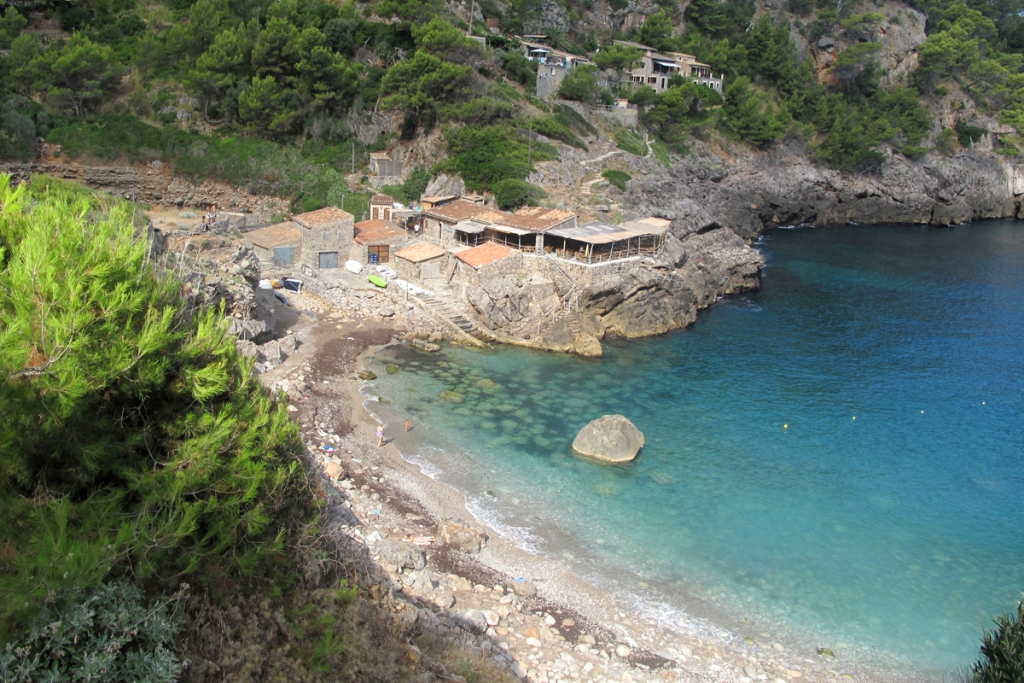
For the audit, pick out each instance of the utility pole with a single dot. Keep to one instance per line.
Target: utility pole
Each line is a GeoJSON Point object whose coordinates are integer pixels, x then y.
{"type": "Point", "coordinates": [529, 146]}
{"type": "Point", "coordinates": [353, 157]}
{"type": "Point", "coordinates": [472, 6]}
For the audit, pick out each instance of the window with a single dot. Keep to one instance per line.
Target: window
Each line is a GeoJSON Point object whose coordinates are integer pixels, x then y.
{"type": "Point", "coordinates": [328, 259]}
{"type": "Point", "coordinates": [323, 236]}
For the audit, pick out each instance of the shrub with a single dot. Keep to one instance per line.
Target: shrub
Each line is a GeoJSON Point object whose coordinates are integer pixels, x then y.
{"type": "Point", "coordinates": [512, 193]}
{"type": "Point", "coordinates": [628, 141]}
{"type": "Point", "coordinates": [1002, 651]}
{"type": "Point", "coordinates": [617, 178]}
{"type": "Point", "coordinates": [412, 189]}
{"type": "Point", "coordinates": [966, 134]}
{"type": "Point", "coordinates": [106, 634]}
{"type": "Point", "coordinates": [160, 451]}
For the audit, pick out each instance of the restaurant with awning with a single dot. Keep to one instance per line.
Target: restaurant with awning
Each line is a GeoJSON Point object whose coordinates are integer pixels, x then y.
{"type": "Point", "coordinates": [599, 242]}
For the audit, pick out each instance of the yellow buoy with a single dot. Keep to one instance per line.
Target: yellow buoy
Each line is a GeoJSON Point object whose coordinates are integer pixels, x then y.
{"type": "Point", "coordinates": [854, 417]}
{"type": "Point", "coordinates": [982, 403]}
{"type": "Point", "coordinates": [785, 426]}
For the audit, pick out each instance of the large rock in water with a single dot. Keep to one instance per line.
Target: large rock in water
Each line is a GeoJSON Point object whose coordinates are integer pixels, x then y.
{"type": "Point", "coordinates": [611, 438]}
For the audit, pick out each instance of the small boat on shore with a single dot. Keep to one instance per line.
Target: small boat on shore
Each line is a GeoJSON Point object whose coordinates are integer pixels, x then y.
{"type": "Point", "coordinates": [377, 280]}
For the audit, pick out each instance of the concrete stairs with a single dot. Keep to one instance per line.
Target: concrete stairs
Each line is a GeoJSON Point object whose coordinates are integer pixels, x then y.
{"type": "Point", "coordinates": [445, 310]}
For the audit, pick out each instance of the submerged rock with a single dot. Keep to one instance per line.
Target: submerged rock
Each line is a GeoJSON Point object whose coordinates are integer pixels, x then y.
{"type": "Point", "coordinates": [367, 375]}
{"type": "Point", "coordinates": [611, 438]}
{"type": "Point", "coordinates": [453, 396]}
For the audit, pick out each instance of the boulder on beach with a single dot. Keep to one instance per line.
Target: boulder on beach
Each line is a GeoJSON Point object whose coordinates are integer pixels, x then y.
{"type": "Point", "coordinates": [465, 538]}
{"type": "Point", "coordinates": [611, 438]}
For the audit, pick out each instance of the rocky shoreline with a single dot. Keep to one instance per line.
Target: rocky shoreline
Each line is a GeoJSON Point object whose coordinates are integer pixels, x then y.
{"type": "Point", "coordinates": [439, 571]}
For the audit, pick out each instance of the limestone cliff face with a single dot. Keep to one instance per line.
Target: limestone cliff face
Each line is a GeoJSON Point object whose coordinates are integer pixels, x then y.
{"type": "Point", "coordinates": [152, 184]}
{"type": "Point", "coordinates": [782, 187]}
{"type": "Point", "coordinates": [651, 297]}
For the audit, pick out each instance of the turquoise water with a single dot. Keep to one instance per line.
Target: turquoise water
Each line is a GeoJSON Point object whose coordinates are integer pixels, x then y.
{"type": "Point", "coordinates": [892, 538]}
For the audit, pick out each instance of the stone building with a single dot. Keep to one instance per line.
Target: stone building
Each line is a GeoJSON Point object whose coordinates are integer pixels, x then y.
{"type": "Point", "coordinates": [437, 223]}
{"type": "Point", "coordinates": [276, 245]}
{"type": "Point", "coordinates": [656, 69]}
{"type": "Point", "coordinates": [382, 164]}
{"type": "Point", "coordinates": [552, 64]}
{"type": "Point", "coordinates": [381, 206]}
{"type": "Point", "coordinates": [326, 238]}
{"type": "Point", "coordinates": [375, 240]}
{"type": "Point", "coordinates": [421, 261]}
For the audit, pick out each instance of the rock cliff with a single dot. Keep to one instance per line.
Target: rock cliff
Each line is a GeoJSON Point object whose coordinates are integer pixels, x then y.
{"type": "Point", "coordinates": [760, 190]}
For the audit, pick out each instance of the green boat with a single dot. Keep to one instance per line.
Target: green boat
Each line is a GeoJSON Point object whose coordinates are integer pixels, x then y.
{"type": "Point", "coordinates": [377, 280]}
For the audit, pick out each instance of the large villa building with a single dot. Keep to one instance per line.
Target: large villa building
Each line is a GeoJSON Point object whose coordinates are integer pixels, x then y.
{"type": "Point", "coordinates": [656, 69]}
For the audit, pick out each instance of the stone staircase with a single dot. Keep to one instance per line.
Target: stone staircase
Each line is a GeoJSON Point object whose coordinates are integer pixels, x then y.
{"type": "Point", "coordinates": [444, 309]}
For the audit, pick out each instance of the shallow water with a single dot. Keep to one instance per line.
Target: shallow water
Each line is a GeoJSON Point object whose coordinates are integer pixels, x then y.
{"type": "Point", "coordinates": [892, 538]}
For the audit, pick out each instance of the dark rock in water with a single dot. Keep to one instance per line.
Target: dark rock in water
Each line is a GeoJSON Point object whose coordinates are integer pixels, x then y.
{"type": "Point", "coordinates": [826, 652]}
{"type": "Point", "coordinates": [611, 438]}
{"type": "Point", "coordinates": [453, 396]}
{"type": "Point", "coordinates": [392, 369]}
{"type": "Point", "coordinates": [367, 374]}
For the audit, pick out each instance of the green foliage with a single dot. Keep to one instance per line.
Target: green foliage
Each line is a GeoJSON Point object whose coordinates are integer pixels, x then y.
{"type": "Point", "coordinates": [418, 86]}
{"type": "Point", "coordinates": [580, 84]}
{"type": "Point", "coordinates": [441, 39]}
{"type": "Point", "coordinates": [629, 141]}
{"type": "Point", "coordinates": [662, 152]}
{"type": "Point", "coordinates": [967, 134]}
{"type": "Point", "coordinates": [107, 633]}
{"type": "Point", "coordinates": [512, 193]}
{"type": "Point", "coordinates": [558, 126]}
{"type": "Point", "coordinates": [677, 110]}
{"type": "Point", "coordinates": [851, 131]}
{"type": "Point", "coordinates": [1002, 651]}
{"type": "Point", "coordinates": [412, 189]}
{"type": "Point", "coordinates": [486, 156]}
{"type": "Point", "coordinates": [520, 69]}
{"type": "Point", "coordinates": [74, 77]}
{"type": "Point", "coordinates": [619, 58]}
{"type": "Point", "coordinates": [617, 178]}
{"type": "Point", "coordinates": [753, 117]}
{"type": "Point", "coordinates": [643, 97]}
{"type": "Point", "coordinates": [11, 24]}
{"type": "Point", "coordinates": [160, 451]}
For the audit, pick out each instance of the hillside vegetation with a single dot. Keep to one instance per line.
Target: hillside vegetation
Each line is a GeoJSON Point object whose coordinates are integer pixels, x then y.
{"type": "Point", "coordinates": [212, 85]}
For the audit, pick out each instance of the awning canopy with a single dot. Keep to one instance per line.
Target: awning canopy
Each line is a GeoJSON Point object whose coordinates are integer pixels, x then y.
{"type": "Point", "coordinates": [471, 227]}
{"type": "Point", "coordinates": [671, 65]}
{"type": "Point", "coordinates": [509, 229]}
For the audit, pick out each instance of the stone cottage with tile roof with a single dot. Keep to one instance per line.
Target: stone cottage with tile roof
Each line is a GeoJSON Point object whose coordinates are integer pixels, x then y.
{"type": "Point", "coordinates": [326, 238]}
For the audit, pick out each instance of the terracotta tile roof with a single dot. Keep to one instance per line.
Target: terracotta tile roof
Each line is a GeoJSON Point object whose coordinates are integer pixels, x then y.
{"type": "Point", "coordinates": [382, 199]}
{"type": "Point", "coordinates": [367, 232]}
{"type": "Point", "coordinates": [422, 251]}
{"type": "Point", "coordinates": [328, 214]}
{"type": "Point", "coordinates": [273, 235]}
{"type": "Point", "coordinates": [536, 218]}
{"type": "Point", "coordinates": [456, 211]}
{"type": "Point", "coordinates": [485, 254]}
{"type": "Point", "coordinates": [490, 216]}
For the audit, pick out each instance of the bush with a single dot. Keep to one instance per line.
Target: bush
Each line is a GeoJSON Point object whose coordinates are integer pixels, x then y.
{"type": "Point", "coordinates": [966, 134]}
{"type": "Point", "coordinates": [512, 193]}
{"type": "Point", "coordinates": [629, 141]}
{"type": "Point", "coordinates": [617, 178]}
{"type": "Point", "coordinates": [487, 156]}
{"type": "Point", "coordinates": [1002, 651]}
{"type": "Point", "coordinates": [160, 450]}
{"type": "Point", "coordinates": [106, 634]}
{"type": "Point", "coordinates": [412, 189]}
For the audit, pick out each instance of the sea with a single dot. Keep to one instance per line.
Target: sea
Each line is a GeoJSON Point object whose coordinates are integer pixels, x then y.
{"type": "Point", "coordinates": [835, 460]}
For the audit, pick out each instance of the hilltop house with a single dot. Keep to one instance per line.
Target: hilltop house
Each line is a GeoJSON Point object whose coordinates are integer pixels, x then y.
{"type": "Point", "coordinates": [382, 164]}
{"type": "Point", "coordinates": [656, 69]}
{"type": "Point", "coordinates": [553, 64]}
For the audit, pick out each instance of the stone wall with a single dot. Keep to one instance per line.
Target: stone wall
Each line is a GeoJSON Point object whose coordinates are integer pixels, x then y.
{"type": "Point", "coordinates": [335, 236]}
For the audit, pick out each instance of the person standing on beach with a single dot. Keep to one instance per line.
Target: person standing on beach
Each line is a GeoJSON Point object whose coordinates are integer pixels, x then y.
{"type": "Point", "coordinates": [406, 426]}
{"type": "Point", "coordinates": [380, 435]}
